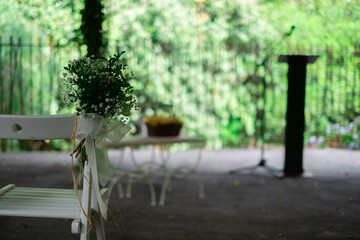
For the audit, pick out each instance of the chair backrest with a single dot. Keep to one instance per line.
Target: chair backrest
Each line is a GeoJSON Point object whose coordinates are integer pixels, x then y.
{"type": "Point", "coordinates": [36, 127]}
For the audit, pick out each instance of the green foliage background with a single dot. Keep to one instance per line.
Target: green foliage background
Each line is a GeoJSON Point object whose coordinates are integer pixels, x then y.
{"type": "Point", "coordinates": [202, 58]}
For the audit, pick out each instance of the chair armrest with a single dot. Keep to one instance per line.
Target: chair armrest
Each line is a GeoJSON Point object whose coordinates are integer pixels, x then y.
{"type": "Point", "coordinates": [6, 189]}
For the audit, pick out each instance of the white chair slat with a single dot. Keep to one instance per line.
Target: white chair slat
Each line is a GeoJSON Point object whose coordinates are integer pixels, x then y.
{"type": "Point", "coordinates": [25, 200]}
{"type": "Point", "coordinates": [45, 193]}
{"type": "Point", "coordinates": [42, 214]}
{"type": "Point", "coordinates": [8, 202]}
{"type": "Point", "coordinates": [48, 207]}
{"type": "Point", "coordinates": [35, 202]}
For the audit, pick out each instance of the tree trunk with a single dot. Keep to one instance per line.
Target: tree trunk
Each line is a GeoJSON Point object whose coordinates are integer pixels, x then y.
{"type": "Point", "coordinates": [91, 28]}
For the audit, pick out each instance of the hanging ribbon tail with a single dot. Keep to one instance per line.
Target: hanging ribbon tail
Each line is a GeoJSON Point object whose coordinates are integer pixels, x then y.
{"type": "Point", "coordinates": [115, 132]}
{"type": "Point", "coordinates": [105, 169]}
{"type": "Point", "coordinates": [90, 152]}
{"type": "Point", "coordinates": [95, 131]}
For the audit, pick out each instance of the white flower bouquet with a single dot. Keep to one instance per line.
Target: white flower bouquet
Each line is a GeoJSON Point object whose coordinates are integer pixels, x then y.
{"type": "Point", "coordinates": [99, 86]}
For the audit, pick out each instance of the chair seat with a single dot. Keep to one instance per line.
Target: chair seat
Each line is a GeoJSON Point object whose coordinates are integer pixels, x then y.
{"type": "Point", "coordinates": [40, 202]}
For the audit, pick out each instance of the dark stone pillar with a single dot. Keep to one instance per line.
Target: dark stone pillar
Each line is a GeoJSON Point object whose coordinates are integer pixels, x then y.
{"type": "Point", "coordinates": [295, 112]}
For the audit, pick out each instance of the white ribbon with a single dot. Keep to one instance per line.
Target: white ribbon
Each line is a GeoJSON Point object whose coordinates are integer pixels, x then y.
{"type": "Point", "coordinates": [95, 130]}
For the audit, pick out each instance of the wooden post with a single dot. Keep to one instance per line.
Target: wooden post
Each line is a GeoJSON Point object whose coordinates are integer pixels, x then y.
{"type": "Point", "coordinates": [295, 113]}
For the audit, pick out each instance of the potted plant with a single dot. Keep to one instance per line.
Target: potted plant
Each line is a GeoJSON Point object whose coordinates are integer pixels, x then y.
{"type": "Point", "coordinates": [162, 126]}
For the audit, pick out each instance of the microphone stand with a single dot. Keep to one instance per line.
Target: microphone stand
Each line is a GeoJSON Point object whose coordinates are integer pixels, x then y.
{"type": "Point", "coordinates": [262, 163]}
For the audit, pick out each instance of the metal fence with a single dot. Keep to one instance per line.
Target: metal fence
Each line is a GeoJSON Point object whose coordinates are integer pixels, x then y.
{"type": "Point", "coordinates": [208, 86]}
{"type": "Point", "coordinates": [29, 74]}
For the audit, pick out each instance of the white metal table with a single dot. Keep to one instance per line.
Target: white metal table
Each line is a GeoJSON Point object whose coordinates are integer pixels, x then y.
{"type": "Point", "coordinates": [163, 143]}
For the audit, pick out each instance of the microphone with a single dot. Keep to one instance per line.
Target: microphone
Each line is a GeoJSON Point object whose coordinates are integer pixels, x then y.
{"type": "Point", "coordinates": [249, 78]}
{"type": "Point", "coordinates": [292, 29]}
{"type": "Point", "coordinates": [290, 32]}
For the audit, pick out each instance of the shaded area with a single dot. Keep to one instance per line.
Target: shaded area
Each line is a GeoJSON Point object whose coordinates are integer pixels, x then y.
{"type": "Point", "coordinates": [251, 205]}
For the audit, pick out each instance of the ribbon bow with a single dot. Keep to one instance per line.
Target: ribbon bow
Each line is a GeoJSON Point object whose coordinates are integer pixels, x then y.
{"type": "Point", "coordinates": [94, 130]}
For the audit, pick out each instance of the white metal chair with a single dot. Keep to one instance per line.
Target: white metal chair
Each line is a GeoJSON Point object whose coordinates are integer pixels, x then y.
{"type": "Point", "coordinates": [50, 202]}
{"type": "Point", "coordinates": [141, 172]}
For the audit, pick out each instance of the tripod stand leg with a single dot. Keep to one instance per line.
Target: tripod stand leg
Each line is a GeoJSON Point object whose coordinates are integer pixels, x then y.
{"type": "Point", "coordinates": [243, 169]}
{"type": "Point", "coordinates": [275, 172]}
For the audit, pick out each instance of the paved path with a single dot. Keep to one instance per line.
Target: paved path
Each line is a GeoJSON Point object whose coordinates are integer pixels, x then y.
{"type": "Point", "coordinates": [249, 206]}
{"type": "Point", "coordinates": [331, 162]}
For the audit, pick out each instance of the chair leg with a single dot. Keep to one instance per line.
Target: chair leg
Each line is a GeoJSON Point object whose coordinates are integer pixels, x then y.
{"type": "Point", "coordinates": [84, 228]}
{"type": "Point", "coordinates": [120, 190]}
{"type": "Point", "coordinates": [169, 187]}
{"type": "Point", "coordinates": [86, 205]}
{"type": "Point", "coordinates": [129, 186]}
{"type": "Point", "coordinates": [163, 189]}
{"type": "Point", "coordinates": [152, 192]}
{"type": "Point", "coordinates": [99, 226]}
{"type": "Point", "coordinates": [201, 186]}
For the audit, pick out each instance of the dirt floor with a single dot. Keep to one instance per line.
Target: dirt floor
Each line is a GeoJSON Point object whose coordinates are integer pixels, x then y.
{"type": "Point", "coordinates": [249, 205]}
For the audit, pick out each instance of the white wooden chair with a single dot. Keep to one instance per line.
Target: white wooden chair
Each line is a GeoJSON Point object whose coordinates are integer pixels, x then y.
{"type": "Point", "coordinates": [50, 202]}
